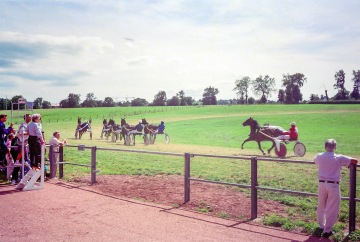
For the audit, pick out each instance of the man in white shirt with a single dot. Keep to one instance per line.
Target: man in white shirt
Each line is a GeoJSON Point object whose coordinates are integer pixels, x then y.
{"type": "Point", "coordinates": [55, 143]}
{"type": "Point", "coordinates": [329, 169]}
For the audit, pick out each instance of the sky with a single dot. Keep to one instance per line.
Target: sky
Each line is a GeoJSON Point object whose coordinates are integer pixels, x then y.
{"type": "Point", "coordinates": [135, 48]}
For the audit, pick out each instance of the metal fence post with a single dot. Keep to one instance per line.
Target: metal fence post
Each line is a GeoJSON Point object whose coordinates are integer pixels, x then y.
{"type": "Point", "coordinates": [61, 160]}
{"type": "Point", "coordinates": [93, 165]}
{"type": "Point", "coordinates": [352, 196]}
{"type": "Point", "coordinates": [254, 183]}
{"type": "Point", "coordinates": [186, 177]}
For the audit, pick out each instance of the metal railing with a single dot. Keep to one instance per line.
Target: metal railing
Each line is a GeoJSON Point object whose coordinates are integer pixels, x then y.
{"type": "Point", "coordinates": [254, 186]}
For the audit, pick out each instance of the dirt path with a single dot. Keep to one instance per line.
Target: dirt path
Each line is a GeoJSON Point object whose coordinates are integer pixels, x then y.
{"type": "Point", "coordinates": [68, 212]}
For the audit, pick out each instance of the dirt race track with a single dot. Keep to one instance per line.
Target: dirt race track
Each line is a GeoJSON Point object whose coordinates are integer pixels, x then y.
{"type": "Point", "coordinates": [74, 212]}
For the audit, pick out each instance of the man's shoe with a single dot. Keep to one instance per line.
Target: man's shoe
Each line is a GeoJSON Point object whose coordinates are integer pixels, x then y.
{"type": "Point", "coordinates": [318, 232]}
{"type": "Point", "coordinates": [327, 234]}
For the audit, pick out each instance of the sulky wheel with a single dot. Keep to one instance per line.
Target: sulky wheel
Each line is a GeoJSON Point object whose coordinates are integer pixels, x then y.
{"type": "Point", "coordinates": [282, 151]}
{"type": "Point", "coordinates": [128, 139]}
{"type": "Point", "coordinates": [152, 138]}
{"type": "Point", "coordinates": [299, 149]}
{"type": "Point", "coordinates": [146, 140]}
{"type": "Point", "coordinates": [167, 138]}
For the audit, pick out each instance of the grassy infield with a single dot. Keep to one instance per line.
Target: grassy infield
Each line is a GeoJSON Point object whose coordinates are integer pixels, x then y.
{"type": "Point", "coordinates": [219, 130]}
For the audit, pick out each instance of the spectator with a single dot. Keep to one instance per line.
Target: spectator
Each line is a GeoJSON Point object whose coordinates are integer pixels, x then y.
{"type": "Point", "coordinates": [23, 138]}
{"type": "Point", "coordinates": [9, 158]}
{"type": "Point", "coordinates": [55, 143]}
{"type": "Point", "coordinates": [3, 133]}
{"type": "Point", "coordinates": [329, 169]}
{"type": "Point", "coordinates": [36, 140]}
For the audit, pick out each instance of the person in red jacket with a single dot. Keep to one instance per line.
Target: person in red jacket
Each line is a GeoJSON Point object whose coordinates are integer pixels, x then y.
{"type": "Point", "coordinates": [292, 134]}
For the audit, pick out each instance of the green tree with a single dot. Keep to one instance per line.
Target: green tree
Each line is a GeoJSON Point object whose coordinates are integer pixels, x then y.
{"type": "Point", "coordinates": [160, 99]}
{"type": "Point", "coordinates": [356, 79]}
{"type": "Point", "coordinates": [251, 100]}
{"type": "Point", "coordinates": [281, 96]}
{"type": "Point", "coordinates": [73, 101]}
{"type": "Point", "coordinates": [342, 94]}
{"type": "Point", "coordinates": [242, 88]}
{"type": "Point", "coordinates": [90, 100]}
{"type": "Point", "coordinates": [189, 101]}
{"type": "Point", "coordinates": [263, 86]}
{"type": "Point", "coordinates": [209, 96]}
{"type": "Point", "coordinates": [46, 104]}
{"type": "Point", "coordinates": [181, 96]}
{"type": "Point", "coordinates": [38, 103]}
{"type": "Point", "coordinates": [5, 104]}
{"type": "Point", "coordinates": [108, 102]}
{"type": "Point", "coordinates": [174, 101]}
{"type": "Point", "coordinates": [292, 84]}
{"type": "Point", "coordinates": [314, 97]}
{"type": "Point", "coordinates": [184, 100]}
{"type": "Point", "coordinates": [64, 103]}
{"type": "Point", "coordinates": [139, 102]}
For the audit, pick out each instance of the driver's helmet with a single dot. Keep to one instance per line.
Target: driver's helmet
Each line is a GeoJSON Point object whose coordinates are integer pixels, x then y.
{"type": "Point", "coordinates": [293, 124]}
{"type": "Point", "coordinates": [162, 122]}
{"type": "Point", "coordinates": [140, 121]}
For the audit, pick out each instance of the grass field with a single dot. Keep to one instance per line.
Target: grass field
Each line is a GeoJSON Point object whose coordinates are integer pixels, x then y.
{"type": "Point", "coordinates": [217, 130]}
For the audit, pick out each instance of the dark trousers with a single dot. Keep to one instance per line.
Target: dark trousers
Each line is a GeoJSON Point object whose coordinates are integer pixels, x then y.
{"type": "Point", "coordinates": [15, 173]}
{"type": "Point", "coordinates": [35, 151]}
{"type": "Point", "coordinates": [3, 151]}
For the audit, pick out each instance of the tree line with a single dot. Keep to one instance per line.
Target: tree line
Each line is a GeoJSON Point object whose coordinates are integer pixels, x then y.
{"type": "Point", "coordinates": [262, 87]}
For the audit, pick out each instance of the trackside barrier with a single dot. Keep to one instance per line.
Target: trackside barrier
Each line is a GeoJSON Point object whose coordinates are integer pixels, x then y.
{"type": "Point", "coordinates": [254, 186]}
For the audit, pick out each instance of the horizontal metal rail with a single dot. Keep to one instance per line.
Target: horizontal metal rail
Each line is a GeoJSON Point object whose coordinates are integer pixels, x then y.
{"type": "Point", "coordinates": [249, 158]}
{"type": "Point", "coordinates": [131, 151]}
{"type": "Point", "coordinates": [222, 183]}
{"type": "Point", "coordinates": [254, 187]}
{"type": "Point", "coordinates": [74, 164]}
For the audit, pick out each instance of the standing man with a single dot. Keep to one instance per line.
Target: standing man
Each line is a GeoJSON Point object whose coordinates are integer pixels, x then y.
{"type": "Point", "coordinates": [55, 143]}
{"type": "Point", "coordinates": [36, 140]}
{"type": "Point", "coordinates": [3, 132]}
{"type": "Point", "coordinates": [329, 169]}
{"type": "Point", "coordinates": [23, 136]}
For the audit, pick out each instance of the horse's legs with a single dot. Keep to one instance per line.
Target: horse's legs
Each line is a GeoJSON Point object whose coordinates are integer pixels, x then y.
{"type": "Point", "coordinates": [272, 147]}
{"type": "Point", "coordinates": [258, 141]}
{"type": "Point", "coordinates": [242, 146]}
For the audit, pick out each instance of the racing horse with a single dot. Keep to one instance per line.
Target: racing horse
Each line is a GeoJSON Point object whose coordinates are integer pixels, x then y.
{"type": "Point", "coordinates": [107, 128]}
{"type": "Point", "coordinates": [149, 129]}
{"type": "Point", "coordinates": [126, 128]}
{"type": "Point", "coordinates": [82, 128]}
{"type": "Point", "coordinates": [116, 130]}
{"type": "Point", "coordinates": [259, 134]}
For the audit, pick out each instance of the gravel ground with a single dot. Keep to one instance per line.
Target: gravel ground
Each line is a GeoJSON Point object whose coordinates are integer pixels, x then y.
{"type": "Point", "coordinates": [78, 212]}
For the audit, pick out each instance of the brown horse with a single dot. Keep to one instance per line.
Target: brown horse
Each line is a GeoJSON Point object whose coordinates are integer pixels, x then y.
{"type": "Point", "coordinates": [259, 134]}
{"type": "Point", "coordinates": [130, 138]}
{"type": "Point", "coordinates": [82, 128]}
{"type": "Point", "coordinates": [149, 129]}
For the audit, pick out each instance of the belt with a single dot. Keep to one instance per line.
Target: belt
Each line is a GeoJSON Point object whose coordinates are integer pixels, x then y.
{"type": "Point", "coordinates": [329, 181]}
